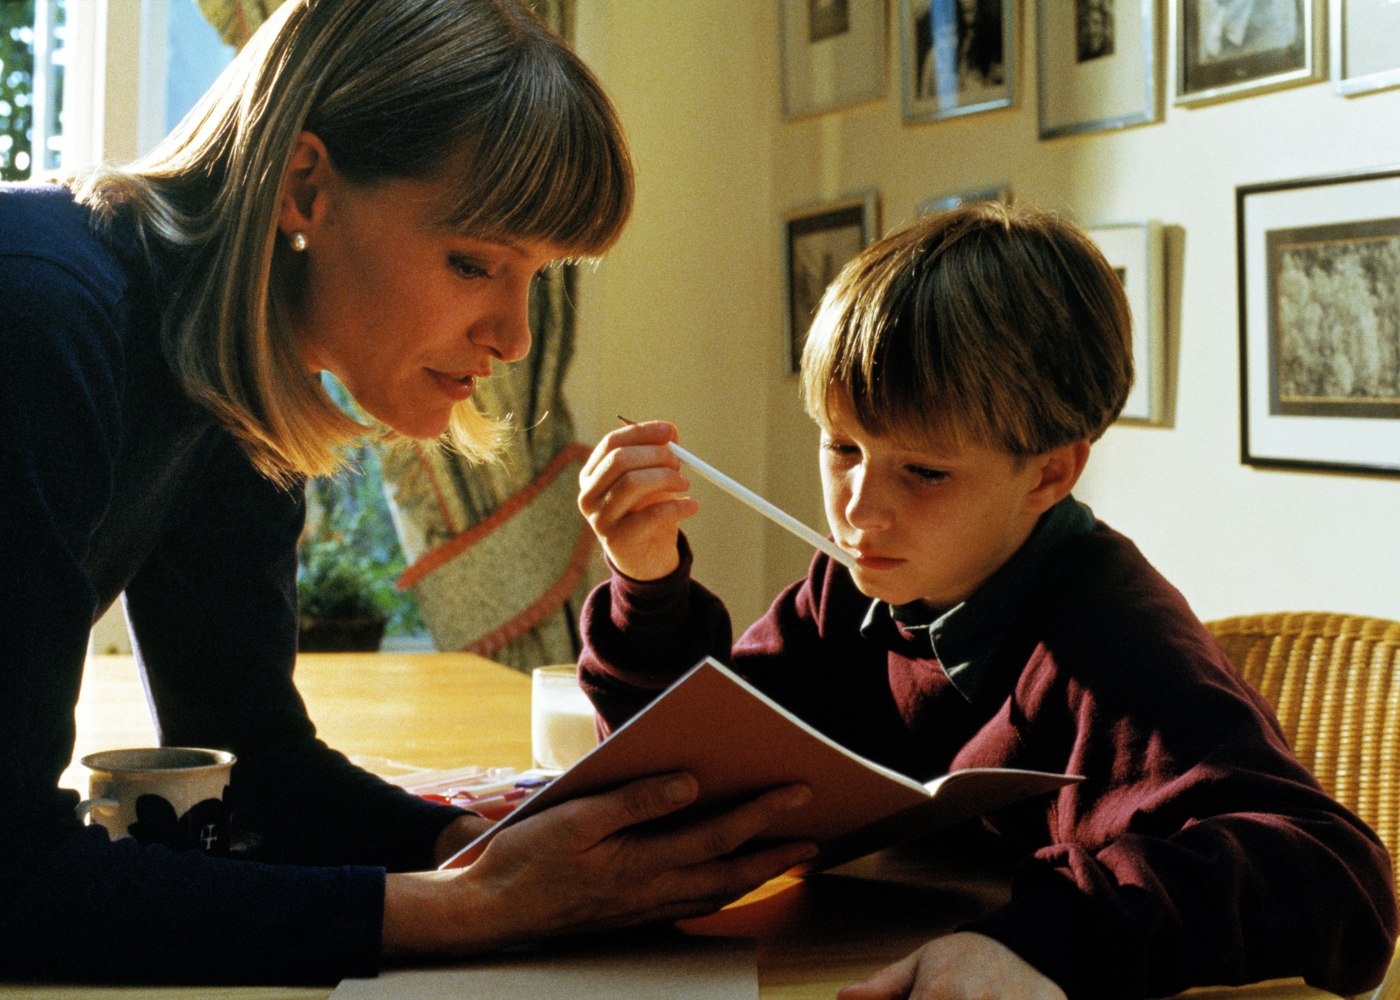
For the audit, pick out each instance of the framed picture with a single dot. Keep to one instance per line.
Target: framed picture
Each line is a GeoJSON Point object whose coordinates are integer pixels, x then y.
{"type": "Point", "coordinates": [1098, 65]}
{"type": "Point", "coordinates": [945, 202]}
{"type": "Point", "coordinates": [1135, 251]}
{"type": "Point", "coordinates": [1228, 48]}
{"type": "Point", "coordinates": [956, 56]}
{"type": "Point", "coordinates": [1365, 45]}
{"type": "Point", "coordinates": [833, 54]}
{"type": "Point", "coordinates": [1319, 272]}
{"type": "Point", "coordinates": [819, 241]}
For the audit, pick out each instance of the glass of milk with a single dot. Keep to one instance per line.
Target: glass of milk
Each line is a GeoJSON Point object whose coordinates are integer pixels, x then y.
{"type": "Point", "coordinates": [561, 718]}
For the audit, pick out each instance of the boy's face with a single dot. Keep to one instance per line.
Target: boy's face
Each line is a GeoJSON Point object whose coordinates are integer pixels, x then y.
{"type": "Point", "coordinates": [924, 526]}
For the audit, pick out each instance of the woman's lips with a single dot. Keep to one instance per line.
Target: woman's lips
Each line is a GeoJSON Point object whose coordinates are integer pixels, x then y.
{"type": "Point", "coordinates": [458, 385]}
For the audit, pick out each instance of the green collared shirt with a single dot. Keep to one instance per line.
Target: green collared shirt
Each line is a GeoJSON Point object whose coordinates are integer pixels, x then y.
{"type": "Point", "coordinates": [964, 637]}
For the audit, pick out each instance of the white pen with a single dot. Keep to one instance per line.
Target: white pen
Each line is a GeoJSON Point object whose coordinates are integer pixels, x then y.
{"type": "Point", "coordinates": [748, 496]}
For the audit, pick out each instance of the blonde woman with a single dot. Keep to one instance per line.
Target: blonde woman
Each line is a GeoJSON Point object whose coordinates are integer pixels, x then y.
{"type": "Point", "coordinates": [368, 191]}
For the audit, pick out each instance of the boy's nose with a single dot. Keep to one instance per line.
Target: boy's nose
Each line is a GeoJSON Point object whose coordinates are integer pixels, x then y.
{"type": "Point", "coordinates": [867, 508]}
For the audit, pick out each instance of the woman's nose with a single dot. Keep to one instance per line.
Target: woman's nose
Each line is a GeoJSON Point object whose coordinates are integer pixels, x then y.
{"type": "Point", "coordinates": [506, 331]}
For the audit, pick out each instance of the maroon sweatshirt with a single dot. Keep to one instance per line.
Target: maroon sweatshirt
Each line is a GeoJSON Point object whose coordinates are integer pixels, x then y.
{"type": "Point", "coordinates": [1197, 850]}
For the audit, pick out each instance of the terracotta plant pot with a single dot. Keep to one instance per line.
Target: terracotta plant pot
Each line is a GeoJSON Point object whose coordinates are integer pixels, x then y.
{"type": "Point", "coordinates": [341, 635]}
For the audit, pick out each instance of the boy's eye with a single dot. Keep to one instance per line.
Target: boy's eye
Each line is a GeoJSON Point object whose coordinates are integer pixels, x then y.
{"type": "Point", "coordinates": [931, 475]}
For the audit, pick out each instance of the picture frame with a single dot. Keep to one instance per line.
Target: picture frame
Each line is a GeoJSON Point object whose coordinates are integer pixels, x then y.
{"type": "Point", "coordinates": [957, 58]}
{"type": "Point", "coordinates": [1365, 46]}
{"type": "Point", "coordinates": [1319, 277]}
{"type": "Point", "coordinates": [945, 202]}
{"type": "Point", "coordinates": [1136, 250]}
{"type": "Point", "coordinates": [1275, 45]}
{"type": "Point", "coordinates": [1098, 65]}
{"type": "Point", "coordinates": [833, 54]}
{"type": "Point", "coordinates": [818, 240]}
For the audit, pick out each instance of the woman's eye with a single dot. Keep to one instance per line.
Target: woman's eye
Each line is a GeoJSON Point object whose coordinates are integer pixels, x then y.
{"type": "Point", "coordinates": [467, 267]}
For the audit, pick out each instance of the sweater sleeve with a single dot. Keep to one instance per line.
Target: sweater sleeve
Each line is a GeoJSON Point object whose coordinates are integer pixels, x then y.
{"type": "Point", "coordinates": [217, 648]}
{"type": "Point", "coordinates": [640, 637]}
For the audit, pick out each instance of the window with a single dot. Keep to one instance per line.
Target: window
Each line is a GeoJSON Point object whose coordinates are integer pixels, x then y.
{"type": "Point", "coordinates": [33, 55]}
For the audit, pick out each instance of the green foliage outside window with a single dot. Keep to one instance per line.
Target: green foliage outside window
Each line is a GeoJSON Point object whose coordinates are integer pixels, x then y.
{"type": "Point", "coordinates": [16, 88]}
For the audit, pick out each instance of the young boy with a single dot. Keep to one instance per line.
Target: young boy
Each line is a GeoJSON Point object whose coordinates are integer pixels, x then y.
{"type": "Point", "coordinates": [959, 371]}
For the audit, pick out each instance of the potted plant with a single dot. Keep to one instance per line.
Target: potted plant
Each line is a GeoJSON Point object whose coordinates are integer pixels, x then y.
{"type": "Point", "coordinates": [337, 593]}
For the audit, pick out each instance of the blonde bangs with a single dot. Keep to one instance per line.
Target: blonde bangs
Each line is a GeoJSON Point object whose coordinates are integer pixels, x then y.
{"type": "Point", "coordinates": [549, 164]}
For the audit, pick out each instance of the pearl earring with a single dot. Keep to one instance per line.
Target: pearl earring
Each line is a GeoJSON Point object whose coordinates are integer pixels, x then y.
{"type": "Point", "coordinates": [298, 241]}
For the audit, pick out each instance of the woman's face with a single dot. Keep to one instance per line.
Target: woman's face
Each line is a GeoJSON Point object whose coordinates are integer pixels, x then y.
{"type": "Point", "coordinates": [406, 313]}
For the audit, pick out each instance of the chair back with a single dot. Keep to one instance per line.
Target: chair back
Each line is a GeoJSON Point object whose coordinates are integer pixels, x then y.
{"type": "Point", "coordinates": [1334, 680]}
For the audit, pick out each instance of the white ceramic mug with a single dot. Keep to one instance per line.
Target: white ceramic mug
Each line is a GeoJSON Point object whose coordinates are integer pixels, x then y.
{"type": "Point", "coordinates": [561, 718]}
{"type": "Point", "coordinates": [161, 795]}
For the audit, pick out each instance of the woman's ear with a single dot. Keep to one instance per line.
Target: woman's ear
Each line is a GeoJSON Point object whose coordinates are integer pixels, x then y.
{"type": "Point", "coordinates": [1058, 470]}
{"type": "Point", "coordinates": [304, 187]}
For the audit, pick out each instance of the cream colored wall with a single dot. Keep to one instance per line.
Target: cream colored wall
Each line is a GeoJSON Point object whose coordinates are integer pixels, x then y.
{"type": "Point", "coordinates": [683, 319]}
{"type": "Point", "coordinates": [676, 322]}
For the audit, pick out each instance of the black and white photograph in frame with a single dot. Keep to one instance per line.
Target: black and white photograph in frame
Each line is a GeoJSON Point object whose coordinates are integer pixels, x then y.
{"type": "Point", "coordinates": [957, 57]}
{"type": "Point", "coordinates": [1319, 271]}
{"type": "Point", "coordinates": [1098, 65]}
{"type": "Point", "coordinates": [818, 241]}
{"type": "Point", "coordinates": [1232, 48]}
{"type": "Point", "coordinates": [1135, 250]}
{"type": "Point", "coordinates": [1365, 37]}
{"type": "Point", "coordinates": [833, 54]}
{"type": "Point", "coordinates": [947, 202]}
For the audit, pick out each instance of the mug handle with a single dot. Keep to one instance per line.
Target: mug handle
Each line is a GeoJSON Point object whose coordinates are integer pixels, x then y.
{"type": "Point", "coordinates": [87, 806]}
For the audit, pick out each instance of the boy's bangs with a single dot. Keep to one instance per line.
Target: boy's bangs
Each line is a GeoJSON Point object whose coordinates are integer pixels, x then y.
{"type": "Point", "coordinates": [549, 164]}
{"type": "Point", "coordinates": [889, 394]}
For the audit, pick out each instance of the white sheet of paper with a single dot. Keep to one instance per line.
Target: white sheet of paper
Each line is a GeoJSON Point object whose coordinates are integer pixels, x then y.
{"type": "Point", "coordinates": [680, 968]}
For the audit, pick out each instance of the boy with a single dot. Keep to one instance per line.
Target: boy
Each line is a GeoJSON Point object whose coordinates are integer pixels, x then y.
{"type": "Point", "coordinates": [959, 370]}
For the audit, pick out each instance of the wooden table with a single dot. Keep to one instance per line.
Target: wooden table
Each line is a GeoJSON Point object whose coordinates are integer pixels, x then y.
{"type": "Point", "coordinates": [442, 710]}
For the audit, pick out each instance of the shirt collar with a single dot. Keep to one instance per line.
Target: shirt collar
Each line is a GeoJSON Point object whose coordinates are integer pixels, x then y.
{"type": "Point", "coordinates": [965, 636]}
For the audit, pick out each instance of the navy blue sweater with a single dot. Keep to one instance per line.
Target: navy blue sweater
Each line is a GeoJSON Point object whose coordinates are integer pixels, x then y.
{"type": "Point", "coordinates": [113, 481]}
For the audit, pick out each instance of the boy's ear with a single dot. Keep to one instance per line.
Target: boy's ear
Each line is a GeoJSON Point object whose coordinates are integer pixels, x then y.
{"type": "Point", "coordinates": [1059, 469]}
{"type": "Point", "coordinates": [304, 185]}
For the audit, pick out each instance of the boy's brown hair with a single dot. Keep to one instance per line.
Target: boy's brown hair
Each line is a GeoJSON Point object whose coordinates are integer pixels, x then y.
{"type": "Point", "coordinates": [985, 325]}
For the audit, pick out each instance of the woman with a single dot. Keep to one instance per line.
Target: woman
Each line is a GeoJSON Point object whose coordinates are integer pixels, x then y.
{"type": "Point", "coordinates": [368, 191]}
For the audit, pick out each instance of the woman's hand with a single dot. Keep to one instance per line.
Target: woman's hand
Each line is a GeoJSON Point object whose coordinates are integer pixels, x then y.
{"type": "Point", "coordinates": [592, 863]}
{"type": "Point", "coordinates": [962, 966]}
{"type": "Point", "coordinates": [458, 834]}
{"type": "Point", "coordinates": [631, 490]}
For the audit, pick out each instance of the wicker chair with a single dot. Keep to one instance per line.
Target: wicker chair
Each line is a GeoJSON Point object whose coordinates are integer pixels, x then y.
{"type": "Point", "coordinates": [1334, 681]}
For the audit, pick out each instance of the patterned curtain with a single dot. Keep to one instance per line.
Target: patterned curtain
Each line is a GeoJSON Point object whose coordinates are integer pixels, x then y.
{"type": "Point", "coordinates": [496, 553]}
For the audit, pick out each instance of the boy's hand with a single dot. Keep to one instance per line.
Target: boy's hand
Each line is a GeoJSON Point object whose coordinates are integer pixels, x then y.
{"type": "Point", "coordinates": [962, 966]}
{"type": "Point", "coordinates": [631, 490]}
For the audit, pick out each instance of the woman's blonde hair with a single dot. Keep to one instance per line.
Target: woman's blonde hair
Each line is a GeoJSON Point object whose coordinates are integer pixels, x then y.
{"type": "Point", "coordinates": [474, 90]}
{"type": "Point", "coordinates": [985, 325]}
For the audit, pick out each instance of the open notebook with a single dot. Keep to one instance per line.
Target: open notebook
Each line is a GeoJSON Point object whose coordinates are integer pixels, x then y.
{"type": "Point", "coordinates": [737, 741]}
